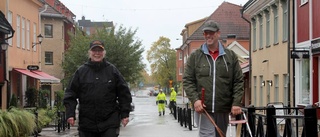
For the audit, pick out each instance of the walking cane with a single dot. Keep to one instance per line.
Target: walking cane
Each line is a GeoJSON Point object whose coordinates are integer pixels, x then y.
{"type": "Point", "coordinates": [209, 117]}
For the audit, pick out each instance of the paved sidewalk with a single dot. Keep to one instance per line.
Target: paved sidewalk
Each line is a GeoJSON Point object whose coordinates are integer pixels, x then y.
{"type": "Point", "coordinates": [51, 132]}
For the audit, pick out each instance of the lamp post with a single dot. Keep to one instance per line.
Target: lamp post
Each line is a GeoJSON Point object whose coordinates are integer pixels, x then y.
{"type": "Point", "coordinates": [40, 38]}
{"type": "Point", "coordinates": [4, 47]}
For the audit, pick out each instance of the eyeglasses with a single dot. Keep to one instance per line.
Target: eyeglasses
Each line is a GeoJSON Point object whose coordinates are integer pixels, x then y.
{"type": "Point", "coordinates": [209, 32]}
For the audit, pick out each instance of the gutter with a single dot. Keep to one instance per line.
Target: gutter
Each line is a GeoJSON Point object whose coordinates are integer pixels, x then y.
{"type": "Point", "coordinates": [40, 26]}
{"type": "Point", "coordinates": [289, 58]}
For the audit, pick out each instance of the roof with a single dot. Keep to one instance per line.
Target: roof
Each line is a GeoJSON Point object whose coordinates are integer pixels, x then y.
{"type": "Point", "coordinates": [87, 23]}
{"type": "Point", "coordinates": [228, 16]}
{"type": "Point", "coordinates": [55, 13]}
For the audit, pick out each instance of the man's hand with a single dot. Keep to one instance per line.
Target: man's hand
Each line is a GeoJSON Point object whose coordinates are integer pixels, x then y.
{"type": "Point", "coordinates": [198, 106]}
{"type": "Point", "coordinates": [71, 121]}
{"type": "Point", "coordinates": [236, 110]}
{"type": "Point", "coordinates": [125, 121]}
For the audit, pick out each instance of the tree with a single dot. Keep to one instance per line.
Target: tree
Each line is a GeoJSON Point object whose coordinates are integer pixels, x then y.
{"type": "Point", "coordinates": [163, 61]}
{"type": "Point", "coordinates": [122, 50]}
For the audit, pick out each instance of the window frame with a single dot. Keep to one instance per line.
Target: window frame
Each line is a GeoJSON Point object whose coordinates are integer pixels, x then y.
{"type": "Point", "coordinates": [48, 32]}
{"type": "Point", "coordinates": [46, 58]}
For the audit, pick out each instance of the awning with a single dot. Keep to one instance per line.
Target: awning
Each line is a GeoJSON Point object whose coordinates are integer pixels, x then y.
{"type": "Point", "coordinates": [42, 76]}
{"type": "Point", "coordinates": [245, 67]}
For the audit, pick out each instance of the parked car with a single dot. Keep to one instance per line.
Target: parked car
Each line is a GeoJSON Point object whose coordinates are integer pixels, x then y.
{"type": "Point", "coordinates": [155, 93]}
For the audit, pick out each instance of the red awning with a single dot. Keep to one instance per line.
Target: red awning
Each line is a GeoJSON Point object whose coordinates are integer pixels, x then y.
{"type": "Point", "coordinates": [245, 67]}
{"type": "Point", "coordinates": [42, 76]}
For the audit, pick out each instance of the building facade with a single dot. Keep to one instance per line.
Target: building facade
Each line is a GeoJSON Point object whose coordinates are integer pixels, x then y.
{"type": "Point", "coordinates": [270, 51]}
{"type": "Point", "coordinates": [31, 61]}
{"type": "Point", "coordinates": [307, 51]}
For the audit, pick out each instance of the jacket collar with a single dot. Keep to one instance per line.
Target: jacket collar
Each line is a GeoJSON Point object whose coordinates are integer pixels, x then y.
{"type": "Point", "coordinates": [205, 49]}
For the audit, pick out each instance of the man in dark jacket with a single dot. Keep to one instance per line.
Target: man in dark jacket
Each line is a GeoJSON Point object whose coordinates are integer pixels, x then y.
{"type": "Point", "coordinates": [103, 95]}
{"type": "Point", "coordinates": [213, 81]}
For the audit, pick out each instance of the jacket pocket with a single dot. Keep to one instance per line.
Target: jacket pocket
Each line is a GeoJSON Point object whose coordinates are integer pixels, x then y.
{"type": "Point", "coordinates": [203, 70]}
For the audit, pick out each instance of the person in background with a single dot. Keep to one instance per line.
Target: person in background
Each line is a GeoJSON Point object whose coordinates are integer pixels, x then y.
{"type": "Point", "coordinates": [161, 102]}
{"type": "Point", "coordinates": [103, 95]}
{"type": "Point", "coordinates": [213, 81]}
{"type": "Point", "coordinates": [173, 100]}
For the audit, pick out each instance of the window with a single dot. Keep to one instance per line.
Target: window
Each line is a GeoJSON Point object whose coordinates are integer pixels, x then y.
{"type": "Point", "coordinates": [18, 31]}
{"type": "Point", "coordinates": [275, 21]}
{"type": "Point", "coordinates": [180, 55]}
{"type": "Point", "coordinates": [254, 35]}
{"type": "Point", "coordinates": [276, 88]}
{"type": "Point", "coordinates": [260, 32]}
{"type": "Point", "coordinates": [10, 22]}
{"type": "Point", "coordinates": [48, 58]}
{"type": "Point", "coordinates": [285, 89]}
{"type": "Point", "coordinates": [303, 84]}
{"type": "Point", "coordinates": [48, 30]}
{"type": "Point", "coordinates": [34, 36]}
{"type": "Point", "coordinates": [180, 70]}
{"type": "Point", "coordinates": [285, 21]}
{"type": "Point", "coordinates": [303, 2]}
{"type": "Point", "coordinates": [255, 90]}
{"type": "Point", "coordinates": [28, 34]}
{"type": "Point", "coordinates": [267, 28]}
{"type": "Point", "coordinates": [261, 90]}
{"type": "Point", "coordinates": [23, 33]}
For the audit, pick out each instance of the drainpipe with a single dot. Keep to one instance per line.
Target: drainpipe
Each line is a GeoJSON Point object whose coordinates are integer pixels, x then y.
{"type": "Point", "coordinates": [250, 60]}
{"type": "Point", "coordinates": [293, 60]}
{"type": "Point", "coordinates": [289, 59]}
{"type": "Point", "coordinates": [40, 26]}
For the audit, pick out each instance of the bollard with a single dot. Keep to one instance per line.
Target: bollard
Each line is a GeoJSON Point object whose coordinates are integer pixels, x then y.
{"type": "Point", "coordinates": [310, 119]}
{"type": "Point", "coordinates": [175, 111]}
{"type": "Point", "coordinates": [189, 119]}
{"type": "Point", "coordinates": [178, 114]}
{"type": "Point", "coordinates": [252, 119]}
{"type": "Point", "coordinates": [271, 122]}
{"type": "Point", "coordinates": [185, 117]}
{"type": "Point", "coordinates": [181, 116]}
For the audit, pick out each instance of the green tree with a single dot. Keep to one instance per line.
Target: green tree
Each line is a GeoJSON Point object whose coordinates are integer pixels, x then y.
{"type": "Point", "coordinates": [123, 50]}
{"type": "Point", "coordinates": [163, 61]}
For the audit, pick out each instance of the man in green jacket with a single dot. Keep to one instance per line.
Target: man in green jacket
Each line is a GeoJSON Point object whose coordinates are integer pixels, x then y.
{"type": "Point", "coordinates": [213, 81]}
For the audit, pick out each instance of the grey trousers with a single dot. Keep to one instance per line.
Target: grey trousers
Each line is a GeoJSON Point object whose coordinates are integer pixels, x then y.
{"type": "Point", "coordinates": [207, 129]}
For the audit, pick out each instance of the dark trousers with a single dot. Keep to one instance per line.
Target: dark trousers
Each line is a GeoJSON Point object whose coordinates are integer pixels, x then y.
{"type": "Point", "coordinates": [172, 105]}
{"type": "Point", "coordinates": [111, 132]}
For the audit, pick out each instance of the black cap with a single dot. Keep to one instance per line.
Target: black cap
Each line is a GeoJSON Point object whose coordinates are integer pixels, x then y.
{"type": "Point", "coordinates": [96, 43]}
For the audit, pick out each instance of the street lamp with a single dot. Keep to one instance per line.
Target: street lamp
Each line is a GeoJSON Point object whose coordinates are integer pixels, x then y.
{"type": "Point", "coordinates": [40, 37]}
{"type": "Point", "coordinates": [4, 45]}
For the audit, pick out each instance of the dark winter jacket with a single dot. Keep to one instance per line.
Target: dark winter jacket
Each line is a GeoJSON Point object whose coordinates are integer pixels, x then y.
{"type": "Point", "coordinates": [103, 95]}
{"type": "Point", "coordinates": [222, 79]}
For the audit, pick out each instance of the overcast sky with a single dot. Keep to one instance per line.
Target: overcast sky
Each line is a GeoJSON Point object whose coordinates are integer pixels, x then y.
{"type": "Point", "coordinates": [152, 19]}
